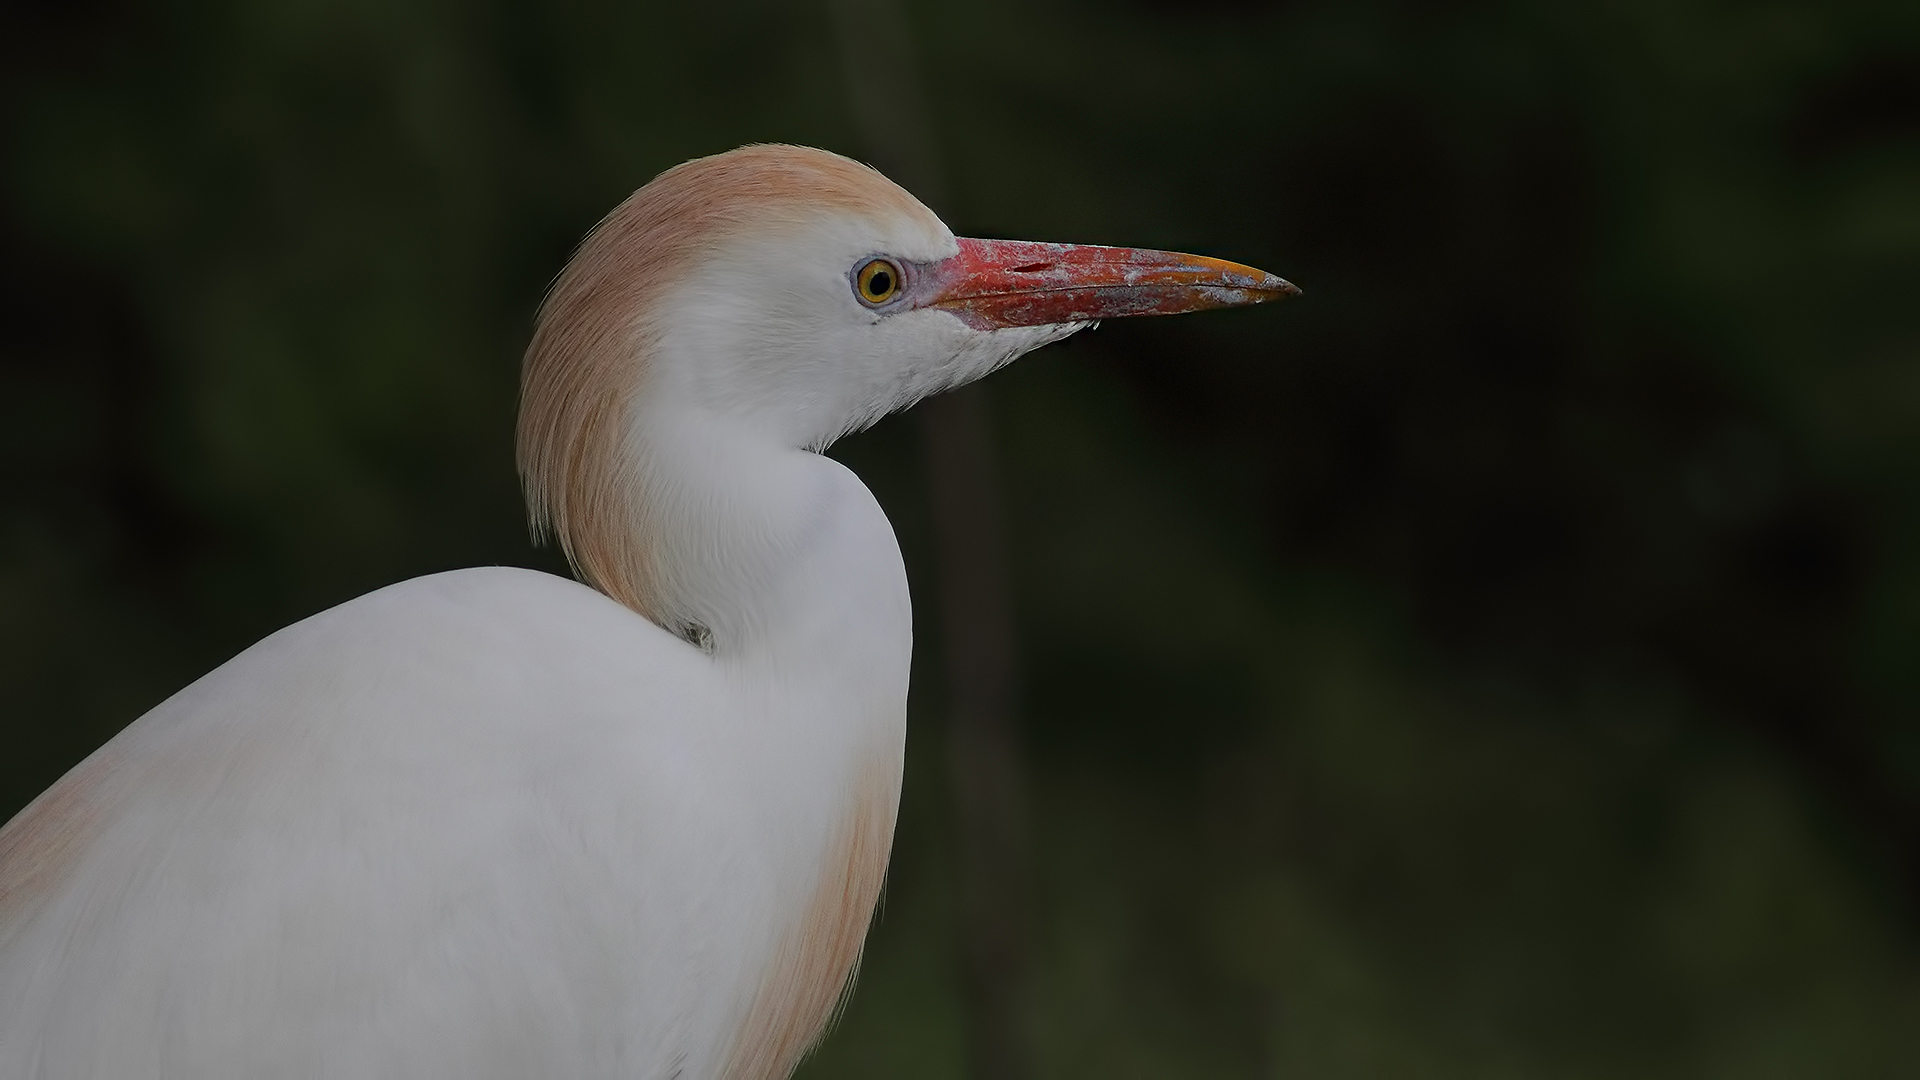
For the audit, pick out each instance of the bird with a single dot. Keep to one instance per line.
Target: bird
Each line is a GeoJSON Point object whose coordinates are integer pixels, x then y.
{"type": "Point", "coordinates": [495, 822]}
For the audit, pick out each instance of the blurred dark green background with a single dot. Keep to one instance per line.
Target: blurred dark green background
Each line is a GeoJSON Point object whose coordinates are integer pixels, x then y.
{"type": "Point", "coordinates": [1502, 662]}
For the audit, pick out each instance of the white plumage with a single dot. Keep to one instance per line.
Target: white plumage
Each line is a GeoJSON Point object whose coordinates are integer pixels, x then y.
{"type": "Point", "coordinates": [492, 823]}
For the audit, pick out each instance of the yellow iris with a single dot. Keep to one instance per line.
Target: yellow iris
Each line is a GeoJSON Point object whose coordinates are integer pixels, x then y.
{"type": "Point", "coordinates": [878, 281]}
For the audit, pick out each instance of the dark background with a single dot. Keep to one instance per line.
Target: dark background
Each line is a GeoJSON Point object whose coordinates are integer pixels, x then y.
{"type": "Point", "coordinates": [1503, 661]}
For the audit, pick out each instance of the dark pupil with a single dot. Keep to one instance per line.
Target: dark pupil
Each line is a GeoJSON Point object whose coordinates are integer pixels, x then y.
{"type": "Point", "coordinates": [880, 284]}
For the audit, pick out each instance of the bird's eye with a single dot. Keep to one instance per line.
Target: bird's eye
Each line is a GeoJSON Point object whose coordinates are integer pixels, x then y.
{"type": "Point", "coordinates": [877, 282]}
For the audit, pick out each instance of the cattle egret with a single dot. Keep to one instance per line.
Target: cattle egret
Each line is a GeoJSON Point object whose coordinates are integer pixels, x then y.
{"type": "Point", "coordinates": [494, 823]}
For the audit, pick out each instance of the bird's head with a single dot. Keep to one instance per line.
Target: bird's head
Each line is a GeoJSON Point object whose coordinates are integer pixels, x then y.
{"type": "Point", "coordinates": [792, 296]}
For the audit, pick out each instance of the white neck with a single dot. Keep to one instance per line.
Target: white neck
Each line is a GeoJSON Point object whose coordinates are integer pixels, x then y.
{"type": "Point", "coordinates": [762, 552]}
{"type": "Point", "coordinates": [784, 558]}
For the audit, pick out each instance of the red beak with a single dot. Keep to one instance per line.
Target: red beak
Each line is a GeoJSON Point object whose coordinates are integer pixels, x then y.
{"type": "Point", "coordinates": [999, 283]}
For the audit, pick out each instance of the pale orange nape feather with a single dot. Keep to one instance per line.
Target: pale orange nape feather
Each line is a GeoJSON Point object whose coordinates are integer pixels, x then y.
{"type": "Point", "coordinates": [598, 325]}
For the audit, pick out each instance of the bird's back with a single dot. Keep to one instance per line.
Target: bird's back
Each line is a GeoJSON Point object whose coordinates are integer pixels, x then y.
{"type": "Point", "coordinates": [415, 835]}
